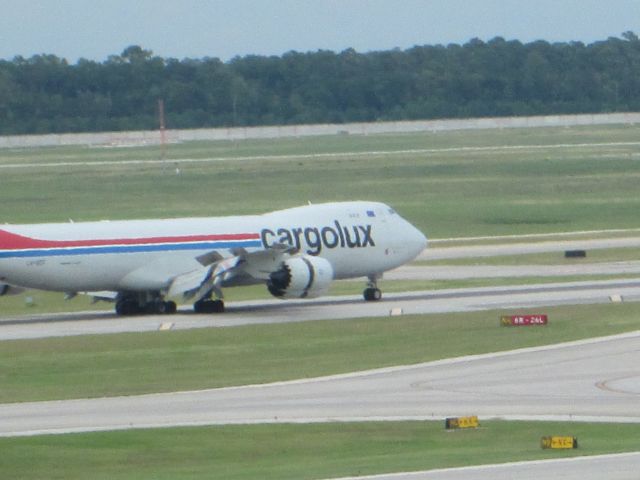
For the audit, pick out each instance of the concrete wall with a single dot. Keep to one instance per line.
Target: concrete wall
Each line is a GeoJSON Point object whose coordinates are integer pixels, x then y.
{"type": "Point", "coordinates": [241, 133]}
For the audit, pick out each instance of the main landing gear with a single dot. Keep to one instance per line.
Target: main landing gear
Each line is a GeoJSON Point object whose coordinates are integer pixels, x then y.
{"type": "Point", "coordinates": [138, 304]}
{"type": "Point", "coordinates": [145, 303]}
{"type": "Point", "coordinates": [372, 293]}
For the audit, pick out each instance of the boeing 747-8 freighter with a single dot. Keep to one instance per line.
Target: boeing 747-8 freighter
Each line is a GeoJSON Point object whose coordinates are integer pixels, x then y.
{"type": "Point", "coordinates": [142, 264]}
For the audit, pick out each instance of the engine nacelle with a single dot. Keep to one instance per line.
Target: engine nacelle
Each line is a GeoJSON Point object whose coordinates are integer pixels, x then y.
{"type": "Point", "coordinates": [301, 277]}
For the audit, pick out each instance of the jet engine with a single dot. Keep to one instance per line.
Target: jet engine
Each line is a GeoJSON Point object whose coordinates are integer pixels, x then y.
{"type": "Point", "coordinates": [301, 277]}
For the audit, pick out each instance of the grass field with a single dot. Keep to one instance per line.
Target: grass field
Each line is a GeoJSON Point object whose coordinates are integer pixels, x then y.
{"type": "Point", "coordinates": [294, 452]}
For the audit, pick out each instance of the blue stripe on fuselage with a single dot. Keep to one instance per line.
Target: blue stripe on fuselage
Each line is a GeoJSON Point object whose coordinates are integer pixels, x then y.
{"type": "Point", "coordinates": [115, 249]}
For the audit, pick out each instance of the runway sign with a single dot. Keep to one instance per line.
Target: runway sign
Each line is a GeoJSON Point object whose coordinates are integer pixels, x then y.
{"type": "Point", "coordinates": [523, 320]}
{"type": "Point", "coordinates": [461, 422]}
{"type": "Point", "coordinates": [559, 442]}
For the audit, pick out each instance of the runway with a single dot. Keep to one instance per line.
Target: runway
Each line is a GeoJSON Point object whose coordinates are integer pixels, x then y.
{"type": "Point", "coordinates": [342, 307]}
{"type": "Point", "coordinates": [590, 380]}
{"type": "Point", "coordinates": [453, 300]}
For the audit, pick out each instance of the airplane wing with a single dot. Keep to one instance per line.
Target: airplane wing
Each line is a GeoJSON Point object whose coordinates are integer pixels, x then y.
{"type": "Point", "coordinates": [198, 282]}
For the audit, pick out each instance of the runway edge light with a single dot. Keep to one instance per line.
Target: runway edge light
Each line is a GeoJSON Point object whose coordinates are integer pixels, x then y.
{"type": "Point", "coordinates": [523, 320]}
{"type": "Point", "coordinates": [454, 423]}
{"type": "Point", "coordinates": [555, 442]}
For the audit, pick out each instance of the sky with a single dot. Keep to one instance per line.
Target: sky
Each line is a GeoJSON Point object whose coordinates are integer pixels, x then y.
{"type": "Point", "coordinates": [74, 29]}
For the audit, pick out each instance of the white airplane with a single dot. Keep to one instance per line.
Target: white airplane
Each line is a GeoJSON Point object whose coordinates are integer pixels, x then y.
{"type": "Point", "coordinates": [139, 264]}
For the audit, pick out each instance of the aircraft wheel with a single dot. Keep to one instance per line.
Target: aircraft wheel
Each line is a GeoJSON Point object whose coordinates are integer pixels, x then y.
{"type": "Point", "coordinates": [120, 308]}
{"type": "Point", "coordinates": [171, 307]}
{"type": "Point", "coordinates": [218, 306]}
{"type": "Point", "coordinates": [198, 307]}
{"type": "Point", "coordinates": [208, 306]}
{"type": "Point", "coordinates": [372, 294]}
{"type": "Point", "coordinates": [163, 307]}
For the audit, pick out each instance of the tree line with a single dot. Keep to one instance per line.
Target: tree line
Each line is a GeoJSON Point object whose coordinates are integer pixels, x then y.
{"type": "Point", "coordinates": [46, 94]}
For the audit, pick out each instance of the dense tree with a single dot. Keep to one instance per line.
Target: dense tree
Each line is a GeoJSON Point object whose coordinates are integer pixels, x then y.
{"type": "Point", "coordinates": [45, 93]}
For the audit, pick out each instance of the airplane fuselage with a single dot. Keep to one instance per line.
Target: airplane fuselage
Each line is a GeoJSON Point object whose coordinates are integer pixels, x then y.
{"type": "Point", "coordinates": [356, 238]}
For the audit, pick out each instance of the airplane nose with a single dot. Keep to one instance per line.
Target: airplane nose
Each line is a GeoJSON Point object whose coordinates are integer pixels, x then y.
{"type": "Point", "coordinates": [413, 240]}
{"type": "Point", "coordinates": [418, 241]}
{"type": "Point", "coordinates": [423, 241]}
{"type": "Point", "coordinates": [406, 240]}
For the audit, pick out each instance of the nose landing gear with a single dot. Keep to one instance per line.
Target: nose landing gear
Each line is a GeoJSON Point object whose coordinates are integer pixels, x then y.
{"type": "Point", "coordinates": [372, 293]}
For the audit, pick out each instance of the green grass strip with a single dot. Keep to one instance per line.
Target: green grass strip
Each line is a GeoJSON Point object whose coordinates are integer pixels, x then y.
{"type": "Point", "coordinates": [283, 452]}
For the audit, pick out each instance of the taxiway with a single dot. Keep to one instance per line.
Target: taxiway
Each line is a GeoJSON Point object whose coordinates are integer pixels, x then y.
{"type": "Point", "coordinates": [623, 466]}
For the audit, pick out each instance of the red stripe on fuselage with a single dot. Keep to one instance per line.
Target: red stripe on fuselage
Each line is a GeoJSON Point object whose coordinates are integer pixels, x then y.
{"type": "Point", "coordinates": [13, 241]}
